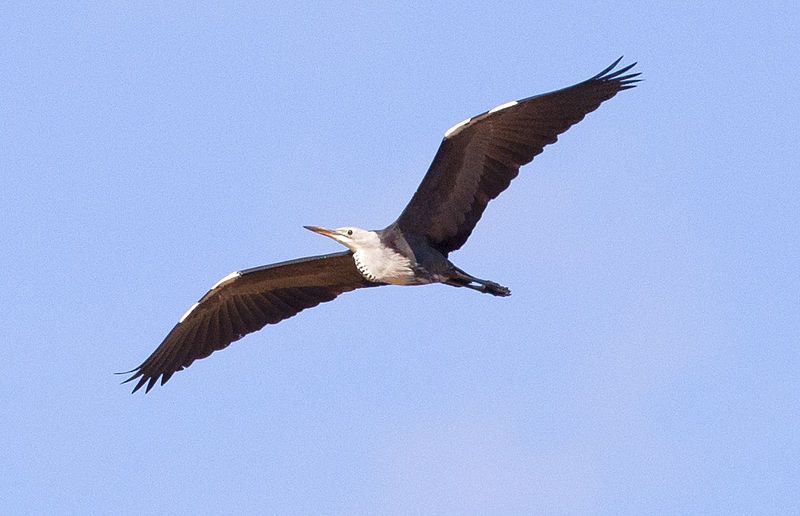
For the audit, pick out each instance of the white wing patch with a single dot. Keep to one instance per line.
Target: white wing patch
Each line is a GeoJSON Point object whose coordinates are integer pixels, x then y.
{"type": "Point", "coordinates": [453, 130]}
{"type": "Point", "coordinates": [456, 127]}
{"type": "Point", "coordinates": [229, 277]}
{"type": "Point", "coordinates": [503, 106]}
{"type": "Point", "coordinates": [190, 310]}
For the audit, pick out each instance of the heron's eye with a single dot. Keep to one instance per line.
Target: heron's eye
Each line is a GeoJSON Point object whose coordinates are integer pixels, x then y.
{"type": "Point", "coordinates": [349, 232]}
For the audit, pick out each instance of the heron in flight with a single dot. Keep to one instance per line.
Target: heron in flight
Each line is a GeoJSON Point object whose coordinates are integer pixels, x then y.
{"type": "Point", "coordinates": [476, 161]}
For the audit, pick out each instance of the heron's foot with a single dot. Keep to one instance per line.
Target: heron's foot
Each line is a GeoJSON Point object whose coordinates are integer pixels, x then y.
{"type": "Point", "coordinates": [495, 289]}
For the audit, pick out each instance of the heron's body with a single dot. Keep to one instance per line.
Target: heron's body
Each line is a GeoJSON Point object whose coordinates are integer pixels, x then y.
{"type": "Point", "coordinates": [387, 257]}
{"type": "Point", "coordinates": [476, 161]}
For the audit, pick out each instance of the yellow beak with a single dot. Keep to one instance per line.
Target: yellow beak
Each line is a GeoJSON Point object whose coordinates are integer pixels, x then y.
{"type": "Point", "coordinates": [322, 231]}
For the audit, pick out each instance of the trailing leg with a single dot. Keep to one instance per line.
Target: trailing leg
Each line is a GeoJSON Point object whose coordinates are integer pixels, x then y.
{"type": "Point", "coordinates": [458, 278]}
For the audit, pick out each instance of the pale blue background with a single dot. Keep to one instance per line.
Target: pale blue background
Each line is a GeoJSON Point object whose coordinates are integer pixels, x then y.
{"type": "Point", "coordinates": [648, 361]}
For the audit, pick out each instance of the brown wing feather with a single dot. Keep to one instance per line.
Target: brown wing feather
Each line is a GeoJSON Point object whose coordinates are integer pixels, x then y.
{"type": "Point", "coordinates": [245, 302]}
{"type": "Point", "coordinates": [479, 157]}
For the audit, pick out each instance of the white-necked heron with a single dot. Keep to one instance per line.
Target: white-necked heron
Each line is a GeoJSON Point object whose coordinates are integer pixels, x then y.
{"type": "Point", "coordinates": [476, 160]}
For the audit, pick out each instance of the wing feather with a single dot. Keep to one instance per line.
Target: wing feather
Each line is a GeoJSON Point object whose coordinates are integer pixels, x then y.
{"type": "Point", "coordinates": [479, 157]}
{"type": "Point", "coordinates": [245, 302]}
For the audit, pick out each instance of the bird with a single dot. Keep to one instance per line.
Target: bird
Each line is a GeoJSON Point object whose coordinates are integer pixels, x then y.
{"type": "Point", "coordinates": [475, 162]}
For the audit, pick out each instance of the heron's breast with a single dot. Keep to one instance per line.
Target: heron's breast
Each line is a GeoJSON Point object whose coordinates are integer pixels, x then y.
{"type": "Point", "coordinates": [385, 265]}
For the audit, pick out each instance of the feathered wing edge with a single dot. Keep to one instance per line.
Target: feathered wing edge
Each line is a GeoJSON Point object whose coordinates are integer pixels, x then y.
{"type": "Point", "coordinates": [479, 157]}
{"type": "Point", "coordinates": [244, 302]}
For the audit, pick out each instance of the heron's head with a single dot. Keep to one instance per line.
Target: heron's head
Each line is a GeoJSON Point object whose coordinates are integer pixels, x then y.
{"type": "Point", "coordinates": [353, 238]}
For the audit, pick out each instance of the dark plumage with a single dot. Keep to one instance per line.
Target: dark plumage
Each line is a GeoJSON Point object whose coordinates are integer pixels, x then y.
{"type": "Point", "coordinates": [478, 160]}
{"type": "Point", "coordinates": [246, 302]}
{"type": "Point", "coordinates": [475, 162]}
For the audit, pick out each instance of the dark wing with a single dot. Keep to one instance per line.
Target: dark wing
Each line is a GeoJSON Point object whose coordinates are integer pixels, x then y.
{"type": "Point", "coordinates": [479, 157]}
{"type": "Point", "coordinates": [244, 302]}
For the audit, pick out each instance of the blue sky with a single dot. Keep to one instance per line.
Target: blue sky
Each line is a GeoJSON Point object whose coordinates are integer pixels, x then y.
{"type": "Point", "coordinates": [647, 361]}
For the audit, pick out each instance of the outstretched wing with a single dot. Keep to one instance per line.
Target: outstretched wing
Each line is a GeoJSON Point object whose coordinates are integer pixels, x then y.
{"type": "Point", "coordinates": [244, 302]}
{"type": "Point", "coordinates": [479, 157]}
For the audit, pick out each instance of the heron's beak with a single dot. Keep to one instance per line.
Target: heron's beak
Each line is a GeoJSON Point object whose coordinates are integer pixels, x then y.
{"type": "Point", "coordinates": [322, 231]}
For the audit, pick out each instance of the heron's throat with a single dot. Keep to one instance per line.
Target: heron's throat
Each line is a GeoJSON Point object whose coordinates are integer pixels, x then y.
{"type": "Point", "coordinates": [382, 264]}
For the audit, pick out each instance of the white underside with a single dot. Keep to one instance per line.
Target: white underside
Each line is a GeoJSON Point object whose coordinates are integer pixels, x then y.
{"type": "Point", "coordinates": [381, 264]}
